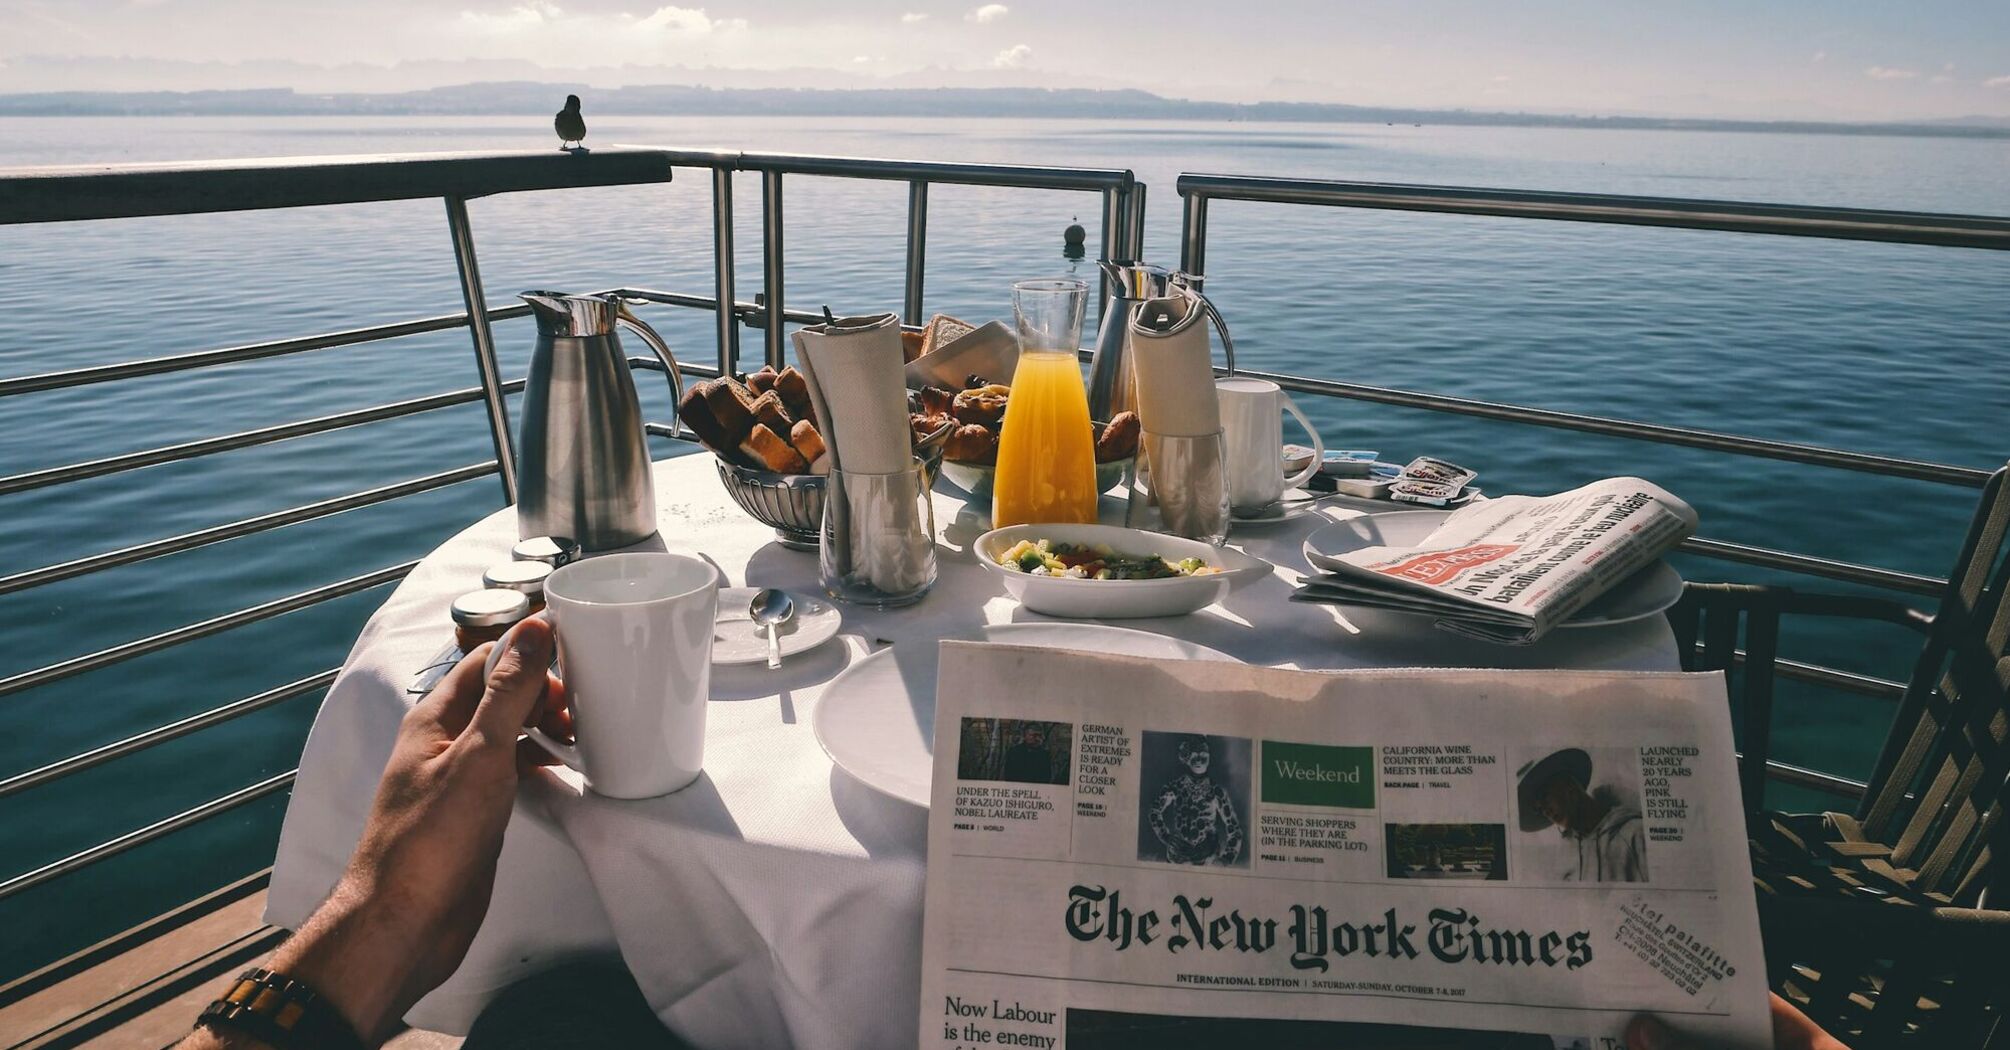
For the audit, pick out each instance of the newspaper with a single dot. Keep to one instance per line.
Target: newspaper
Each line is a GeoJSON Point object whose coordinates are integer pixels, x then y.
{"type": "Point", "coordinates": [1509, 569]}
{"type": "Point", "coordinates": [1125, 852]}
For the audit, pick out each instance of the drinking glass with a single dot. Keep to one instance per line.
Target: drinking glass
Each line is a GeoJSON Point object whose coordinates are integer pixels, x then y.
{"type": "Point", "coordinates": [878, 537]}
{"type": "Point", "coordinates": [1179, 487]}
{"type": "Point", "coordinates": [1046, 450]}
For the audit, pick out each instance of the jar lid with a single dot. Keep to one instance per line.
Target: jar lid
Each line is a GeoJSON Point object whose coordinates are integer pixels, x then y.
{"type": "Point", "coordinates": [491, 607]}
{"type": "Point", "coordinates": [525, 576]}
{"type": "Point", "coordinates": [551, 550]}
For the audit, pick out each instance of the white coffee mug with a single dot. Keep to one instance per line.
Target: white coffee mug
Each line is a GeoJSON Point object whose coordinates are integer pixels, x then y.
{"type": "Point", "coordinates": [1252, 428]}
{"type": "Point", "coordinates": [635, 651]}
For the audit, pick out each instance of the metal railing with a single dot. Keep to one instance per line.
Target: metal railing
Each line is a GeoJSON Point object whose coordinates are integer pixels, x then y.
{"type": "Point", "coordinates": [71, 194]}
{"type": "Point", "coordinates": [89, 193]}
{"type": "Point", "coordinates": [1855, 224]}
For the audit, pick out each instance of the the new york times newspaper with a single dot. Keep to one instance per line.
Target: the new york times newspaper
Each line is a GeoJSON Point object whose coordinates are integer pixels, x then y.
{"type": "Point", "coordinates": [1510, 569]}
{"type": "Point", "coordinates": [1134, 853]}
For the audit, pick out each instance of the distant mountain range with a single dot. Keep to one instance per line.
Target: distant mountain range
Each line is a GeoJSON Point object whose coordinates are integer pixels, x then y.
{"type": "Point", "coordinates": [527, 97]}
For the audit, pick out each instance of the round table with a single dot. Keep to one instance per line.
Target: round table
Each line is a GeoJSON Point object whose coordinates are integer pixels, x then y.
{"type": "Point", "coordinates": [776, 901]}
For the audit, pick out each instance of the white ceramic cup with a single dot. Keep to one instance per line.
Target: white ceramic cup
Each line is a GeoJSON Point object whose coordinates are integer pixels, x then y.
{"type": "Point", "coordinates": [1252, 429]}
{"type": "Point", "coordinates": [635, 651]}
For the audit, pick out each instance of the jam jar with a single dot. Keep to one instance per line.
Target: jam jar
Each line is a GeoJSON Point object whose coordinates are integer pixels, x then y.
{"type": "Point", "coordinates": [483, 616]}
{"type": "Point", "coordinates": [551, 550]}
{"type": "Point", "coordinates": [525, 577]}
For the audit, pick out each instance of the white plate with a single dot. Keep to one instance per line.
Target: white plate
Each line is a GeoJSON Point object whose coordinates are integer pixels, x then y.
{"type": "Point", "coordinates": [876, 721]}
{"type": "Point", "coordinates": [736, 640]}
{"type": "Point", "coordinates": [1647, 592]}
{"type": "Point", "coordinates": [1117, 599]}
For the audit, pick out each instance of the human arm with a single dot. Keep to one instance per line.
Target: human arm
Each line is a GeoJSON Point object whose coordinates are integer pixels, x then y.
{"type": "Point", "coordinates": [404, 912]}
{"type": "Point", "coordinates": [1791, 1031]}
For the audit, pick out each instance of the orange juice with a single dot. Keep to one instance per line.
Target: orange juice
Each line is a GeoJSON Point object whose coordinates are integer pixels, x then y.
{"type": "Point", "coordinates": [1046, 451]}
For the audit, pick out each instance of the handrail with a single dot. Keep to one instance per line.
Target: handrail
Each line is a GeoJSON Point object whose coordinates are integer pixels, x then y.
{"type": "Point", "coordinates": [1854, 224]}
{"type": "Point", "coordinates": [139, 836]}
{"type": "Point", "coordinates": [121, 191]}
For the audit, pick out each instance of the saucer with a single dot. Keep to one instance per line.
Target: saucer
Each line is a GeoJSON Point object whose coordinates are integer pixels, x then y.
{"type": "Point", "coordinates": [736, 639]}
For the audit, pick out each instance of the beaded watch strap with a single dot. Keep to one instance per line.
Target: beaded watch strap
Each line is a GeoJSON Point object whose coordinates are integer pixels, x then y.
{"type": "Point", "coordinates": [281, 1011]}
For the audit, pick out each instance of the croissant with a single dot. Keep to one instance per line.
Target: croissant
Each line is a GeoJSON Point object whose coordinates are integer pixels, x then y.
{"type": "Point", "coordinates": [1119, 439]}
{"type": "Point", "coordinates": [972, 443]}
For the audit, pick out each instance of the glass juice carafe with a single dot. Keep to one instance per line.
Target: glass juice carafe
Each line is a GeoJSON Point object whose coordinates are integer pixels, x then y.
{"type": "Point", "coordinates": [1046, 448]}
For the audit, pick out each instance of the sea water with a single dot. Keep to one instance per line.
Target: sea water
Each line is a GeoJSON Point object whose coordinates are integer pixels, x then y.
{"type": "Point", "coordinates": [1876, 347]}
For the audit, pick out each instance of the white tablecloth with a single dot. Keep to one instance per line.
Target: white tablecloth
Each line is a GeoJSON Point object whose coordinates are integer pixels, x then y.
{"type": "Point", "coordinates": [776, 901]}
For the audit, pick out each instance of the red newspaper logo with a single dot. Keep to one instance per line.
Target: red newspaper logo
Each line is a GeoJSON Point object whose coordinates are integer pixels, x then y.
{"type": "Point", "coordinates": [1440, 566]}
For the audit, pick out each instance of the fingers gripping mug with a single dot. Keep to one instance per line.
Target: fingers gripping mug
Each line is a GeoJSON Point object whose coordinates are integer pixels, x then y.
{"type": "Point", "coordinates": [634, 638]}
{"type": "Point", "coordinates": [1252, 428]}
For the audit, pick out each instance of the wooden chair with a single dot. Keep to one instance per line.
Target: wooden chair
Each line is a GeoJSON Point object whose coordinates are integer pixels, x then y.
{"type": "Point", "coordinates": [1886, 924]}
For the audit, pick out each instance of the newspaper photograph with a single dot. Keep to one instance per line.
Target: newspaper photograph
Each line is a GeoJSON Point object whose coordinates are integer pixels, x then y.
{"type": "Point", "coordinates": [1126, 852]}
{"type": "Point", "coordinates": [1511, 568]}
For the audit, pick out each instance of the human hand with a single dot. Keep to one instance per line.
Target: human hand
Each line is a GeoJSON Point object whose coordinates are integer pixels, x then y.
{"type": "Point", "coordinates": [418, 885]}
{"type": "Point", "coordinates": [1791, 1031]}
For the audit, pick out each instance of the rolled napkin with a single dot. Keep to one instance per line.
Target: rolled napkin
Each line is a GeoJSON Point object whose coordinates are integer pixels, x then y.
{"type": "Point", "coordinates": [858, 389]}
{"type": "Point", "coordinates": [1172, 354]}
{"type": "Point", "coordinates": [856, 374]}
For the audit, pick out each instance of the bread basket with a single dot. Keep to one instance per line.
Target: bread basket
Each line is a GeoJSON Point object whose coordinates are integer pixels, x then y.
{"type": "Point", "coordinates": [793, 504]}
{"type": "Point", "coordinates": [790, 504]}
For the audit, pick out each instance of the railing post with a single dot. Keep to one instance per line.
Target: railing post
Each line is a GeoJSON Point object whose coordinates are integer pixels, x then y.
{"type": "Point", "coordinates": [728, 315]}
{"type": "Point", "coordinates": [1193, 237]}
{"type": "Point", "coordinates": [917, 248]}
{"type": "Point", "coordinates": [771, 265]}
{"type": "Point", "coordinates": [1137, 223]}
{"type": "Point", "coordinates": [485, 346]}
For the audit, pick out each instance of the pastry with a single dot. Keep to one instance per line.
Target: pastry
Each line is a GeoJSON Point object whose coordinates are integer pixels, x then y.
{"type": "Point", "coordinates": [984, 405]}
{"type": "Point", "coordinates": [762, 381]}
{"type": "Point", "coordinates": [972, 443]}
{"type": "Point", "coordinates": [935, 401]}
{"type": "Point", "coordinates": [1119, 439]}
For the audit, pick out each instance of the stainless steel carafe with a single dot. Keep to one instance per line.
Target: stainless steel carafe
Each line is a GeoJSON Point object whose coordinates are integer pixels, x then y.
{"type": "Point", "coordinates": [582, 457]}
{"type": "Point", "coordinates": [1112, 383]}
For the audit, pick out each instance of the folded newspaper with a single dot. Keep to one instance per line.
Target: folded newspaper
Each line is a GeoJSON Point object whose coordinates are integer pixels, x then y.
{"type": "Point", "coordinates": [1509, 569]}
{"type": "Point", "coordinates": [1126, 852]}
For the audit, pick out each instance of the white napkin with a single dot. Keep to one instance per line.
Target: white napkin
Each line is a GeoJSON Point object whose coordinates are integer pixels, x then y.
{"type": "Point", "coordinates": [1172, 356]}
{"type": "Point", "coordinates": [858, 386]}
{"type": "Point", "coordinates": [857, 379]}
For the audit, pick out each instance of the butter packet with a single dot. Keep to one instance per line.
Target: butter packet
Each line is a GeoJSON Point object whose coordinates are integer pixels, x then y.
{"type": "Point", "coordinates": [1432, 482]}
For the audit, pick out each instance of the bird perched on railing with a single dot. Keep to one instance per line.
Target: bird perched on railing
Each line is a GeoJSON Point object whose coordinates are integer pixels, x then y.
{"type": "Point", "coordinates": [571, 127]}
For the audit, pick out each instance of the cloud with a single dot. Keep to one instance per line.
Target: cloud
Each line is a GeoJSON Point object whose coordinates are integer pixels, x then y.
{"type": "Point", "coordinates": [913, 16]}
{"type": "Point", "coordinates": [1012, 57]}
{"type": "Point", "coordinates": [989, 13]}
{"type": "Point", "coordinates": [1888, 73]}
{"type": "Point", "coordinates": [1820, 56]}
{"type": "Point", "coordinates": [689, 21]}
{"type": "Point", "coordinates": [1997, 82]}
{"type": "Point", "coordinates": [516, 19]}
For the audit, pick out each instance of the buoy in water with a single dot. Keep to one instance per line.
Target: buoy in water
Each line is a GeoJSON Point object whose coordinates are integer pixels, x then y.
{"type": "Point", "coordinates": [1074, 236]}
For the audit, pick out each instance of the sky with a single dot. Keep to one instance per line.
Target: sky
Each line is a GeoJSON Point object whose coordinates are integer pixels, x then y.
{"type": "Point", "coordinates": [1756, 59]}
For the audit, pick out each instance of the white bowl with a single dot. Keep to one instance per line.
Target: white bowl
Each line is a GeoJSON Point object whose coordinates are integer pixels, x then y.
{"type": "Point", "coordinates": [975, 479]}
{"type": "Point", "coordinates": [1118, 599]}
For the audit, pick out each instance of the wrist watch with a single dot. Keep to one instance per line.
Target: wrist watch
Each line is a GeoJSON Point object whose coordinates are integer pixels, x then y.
{"type": "Point", "coordinates": [280, 1011]}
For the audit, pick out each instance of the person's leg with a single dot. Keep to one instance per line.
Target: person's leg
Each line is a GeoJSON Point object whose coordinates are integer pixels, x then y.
{"type": "Point", "coordinates": [584, 1005]}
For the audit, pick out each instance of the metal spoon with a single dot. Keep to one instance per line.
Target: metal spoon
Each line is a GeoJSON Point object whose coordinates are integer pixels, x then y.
{"type": "Point", "coordinates": [771, 609]}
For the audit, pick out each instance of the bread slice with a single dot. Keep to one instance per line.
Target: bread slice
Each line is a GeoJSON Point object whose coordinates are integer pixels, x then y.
{"type": "Point", "coordinates": [696, 412]}
{"type": "Point", "coordinates": [774, 452]}
{"type": "Point", "coordinates": [910, 346]}
{"type": "Point", "coordinates": [732, 405]}
{"type": "Point", "coordinates": [768, 412]}
{"type": "Point", "coordinates": [941, 331]}
{"type": "Point", "coordinates": [808, 443]}
{"type": "Point", "coordinates": [794, 391]}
